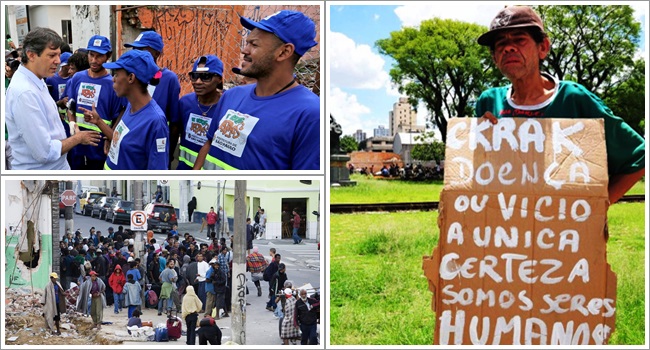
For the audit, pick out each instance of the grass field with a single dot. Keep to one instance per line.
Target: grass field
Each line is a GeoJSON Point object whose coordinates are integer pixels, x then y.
{"type": "Point", "coordinates": [378, 292]}
{"type": "Point", "coordinates": [370, 190]}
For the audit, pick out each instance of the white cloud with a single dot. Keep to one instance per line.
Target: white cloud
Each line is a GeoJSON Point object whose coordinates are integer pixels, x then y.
{"type": "Point", "coordinates": [481, 12]}
{"type": "Point", "coordinates": [346, 110]}
{"type": "Point", "coordinates": [375, 17]}
{"type": "Point", "coordinates": [355, 66]}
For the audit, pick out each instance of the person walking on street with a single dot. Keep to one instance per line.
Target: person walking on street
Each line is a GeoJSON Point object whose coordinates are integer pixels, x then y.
{"type": "Point", "coordinates": [256, 264]}
{"type": "Point", "coordinates": [250, 236]}
{"type": "Point", "coordinates": [277, 282]}
{"type": "Point", "coordinates": [307, 317]}
{"type": "Point", "coordinates": [191, 306]}
{"type": "Point", "coordinates": [117, 282]}
{"type": "Point", "coordinates": [98, 299]}
{"type": "Point", "coordinates": [211, 218]}
{"type": "Point", "coordinates": [296, 227]}
{"type": "Point", "coordinates": [269, 272]}
{"type": "Point", "coordinates": [210, 293]}
{"type": "Point", "coordinates": [53, 301]}
{"type": "Point", "coordinates": [219, 281]}
{"type": "Point", "coordinates": [289, 330]}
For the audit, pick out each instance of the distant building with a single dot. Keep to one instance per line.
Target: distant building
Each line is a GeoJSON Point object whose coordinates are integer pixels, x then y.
{"type": "Point", "coordinates": [402, 116]}
{"type": "Point", "coordinates": [380, 131]}
{"type": "Point", "coordinates": [359, 135]}
{"type": "Point", "coordinates": [377, 144]}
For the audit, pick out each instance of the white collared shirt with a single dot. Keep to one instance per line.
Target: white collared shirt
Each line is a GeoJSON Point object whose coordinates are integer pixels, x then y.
{"type": "Point", "coordinates": [33, 123]}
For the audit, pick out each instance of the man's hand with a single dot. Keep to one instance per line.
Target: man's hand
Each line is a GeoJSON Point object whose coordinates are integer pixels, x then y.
{"type": "Point", "coordinates": [88, 137]}
{"type": "Point", "coordinates": [490, 117]}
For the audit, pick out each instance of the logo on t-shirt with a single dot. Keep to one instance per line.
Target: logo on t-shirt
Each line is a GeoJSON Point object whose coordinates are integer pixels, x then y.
{"type": "Point", "coordinates": [88, 94]}
{"type": "Point", "coordinates": [118, 135]}
{"type": "Point", "coordinates": [234, 130]}
{"type": "Point", "coordinates": [196, 128]}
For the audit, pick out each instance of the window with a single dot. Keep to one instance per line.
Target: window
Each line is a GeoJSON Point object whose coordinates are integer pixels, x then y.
{"type": "Point", "coordinates": [66, 31]}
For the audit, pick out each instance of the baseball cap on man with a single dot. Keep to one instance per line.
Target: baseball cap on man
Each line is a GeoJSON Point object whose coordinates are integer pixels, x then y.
{"type": "Point", "coordinates": [99, 44]}
{"type": "Point", "coordinates": [54, 274]}
{"type": "Point", "coordinates": [212, 65]}
{"type": "Point", "coordinates": [140, 63]}
{"type": "Point", "coordinates": [509, 18]}
{"type": "Point", "coordinates": [64, 62]}
{"type": "Point", "coordinates": [292, 27]}
{"type": "Point", "coordinates": [148, 39]}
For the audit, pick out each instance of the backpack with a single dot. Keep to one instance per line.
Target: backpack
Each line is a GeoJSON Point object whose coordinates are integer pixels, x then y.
{"type": "Point", "coordinates": [267, 274]}
{"type": "Point", "coordinates": [152, 298]}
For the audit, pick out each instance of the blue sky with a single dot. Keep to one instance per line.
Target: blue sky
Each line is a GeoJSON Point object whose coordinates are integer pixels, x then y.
{"type": "Point", "coordinates": [360, 91]}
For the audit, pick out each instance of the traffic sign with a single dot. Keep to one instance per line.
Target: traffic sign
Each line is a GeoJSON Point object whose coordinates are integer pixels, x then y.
{"type": "Point", "coordinates": [68, 198]}
{"type": "Point", "coordinates": [138, 220]}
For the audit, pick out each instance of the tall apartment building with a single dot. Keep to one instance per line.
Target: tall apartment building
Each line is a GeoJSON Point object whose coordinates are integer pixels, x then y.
{"type": "Point", "coordinates": [380, 131]}
{"type": "Point", "coordinates": [359, 135]}
{"type": "Point", "coordinates": [402, 118]}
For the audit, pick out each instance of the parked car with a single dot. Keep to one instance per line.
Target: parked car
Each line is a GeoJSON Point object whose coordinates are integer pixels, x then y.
{"type": "Point", "coordinates": [86, 200]}
{"type": "Point", "coordinates": [120, 212]}
{"type": "Point", "coordinates": [101, 205]}
{"type": "Point", "coordinates": [160, 217]}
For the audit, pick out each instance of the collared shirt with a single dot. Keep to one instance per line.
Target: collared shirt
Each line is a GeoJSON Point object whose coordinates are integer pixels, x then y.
{"type": "Point", "coordinates": [35, 129]}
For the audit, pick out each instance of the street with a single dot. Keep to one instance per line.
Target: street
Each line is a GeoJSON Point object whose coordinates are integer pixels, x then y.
{"type": "Point", "coordinates": [303, 267]}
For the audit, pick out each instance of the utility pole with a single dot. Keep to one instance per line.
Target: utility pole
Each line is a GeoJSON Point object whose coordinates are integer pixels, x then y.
{"type": "Point", "coordinates": [69, 218]}
{"type": "Point", "coordinates": [137, 202]}
{"type": "Point", "coordinates": [239, 266]}
{"type": "Point", "coordinates": [55, 197]}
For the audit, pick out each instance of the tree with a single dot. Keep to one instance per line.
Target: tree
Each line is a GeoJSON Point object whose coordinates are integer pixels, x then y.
{"type": "Point", "coordinates": [348, 144]}
{"type": "Point", "coordinates": [591, 45]}
{"type": "Point", "coordinates": [428, 150]}
{"type": "Point", "coordinates": [441, 64]}
{"type": "Point", "coordinates": [627, 99]}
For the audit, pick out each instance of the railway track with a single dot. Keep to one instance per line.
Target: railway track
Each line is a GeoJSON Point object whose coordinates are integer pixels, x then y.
{"type": "Point", "coordinates": [420, 206]}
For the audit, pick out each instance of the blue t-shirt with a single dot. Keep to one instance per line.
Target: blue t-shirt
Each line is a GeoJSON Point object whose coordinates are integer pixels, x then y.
{"type": "Point", "coordinates": [279, 132]}
{"type": "Point", "coordinates": [140, 140]}
{"type": "Point", "coordinates": [209, 287]}
{"type": "Point", "coordinates": [166, 94]}
{"type": "Point", "coordinates": [56, 84]}
{"type": "Point", "coordinates": [86, 90]}
{"type": "Point", "coordinates": [194, 129]}
{"type": "Point", "coordinates": [136, 274]}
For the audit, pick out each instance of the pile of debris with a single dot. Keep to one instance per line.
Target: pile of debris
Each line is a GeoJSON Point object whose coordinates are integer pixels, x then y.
{"type": "Point", "coordinates": [24, 322]}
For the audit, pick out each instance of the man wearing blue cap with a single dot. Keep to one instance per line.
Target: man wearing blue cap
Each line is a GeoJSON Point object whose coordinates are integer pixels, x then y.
{"type": "Point", "coordinates": [168, 90]}
{"type": "Point", "coordinates": [140, 139]}
{"type": "Point", "coordinates": [198, 108]}
{"type": "Point", "coordinates": [37, 138]}
{"type": "Point", "coordinates": [58, 81]}
{"type": "Point", "coordinates": [275, 123]}
{"type": "Point", "coordinates": [93, 86]}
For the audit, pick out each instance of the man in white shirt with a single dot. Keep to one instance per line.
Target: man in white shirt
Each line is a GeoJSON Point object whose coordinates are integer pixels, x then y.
{"type": "Point", "coordinates": [201, 267]}
{"type": "Point", "coordinates": [36, 134]}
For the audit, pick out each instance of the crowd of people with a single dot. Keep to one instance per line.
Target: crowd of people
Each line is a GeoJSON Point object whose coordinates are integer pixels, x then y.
{"type": "Point", "coordinates": [178, 275]}
{"type": "Point", "coordinates": [417, 172]}
{"type": "Point", "coordinates": [65, 110]}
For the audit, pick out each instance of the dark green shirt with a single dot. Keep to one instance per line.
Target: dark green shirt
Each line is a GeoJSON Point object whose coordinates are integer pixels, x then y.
{"type": "Point", "coordinates": [625, 147]}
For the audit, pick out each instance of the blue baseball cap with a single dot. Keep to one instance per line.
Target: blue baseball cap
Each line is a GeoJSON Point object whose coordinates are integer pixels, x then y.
{"type": "Point", "coordinates": [148, 39]}
{"type": "Point", "coordinates": [291, 27]}
{"type": "Point", "coordinates": [99, 44]}
{"type": "Point", "coordinates": [64, 58]}
{"type": "Point", "coordinates": [138, 62]}
{"type": "Point", "coordinates": [212, 65]}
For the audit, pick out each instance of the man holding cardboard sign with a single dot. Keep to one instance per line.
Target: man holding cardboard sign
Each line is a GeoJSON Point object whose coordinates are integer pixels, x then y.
{"type": "Point", "coordinates": [518, 43]}
{"type": "Point", "coordinates": [522, 255]}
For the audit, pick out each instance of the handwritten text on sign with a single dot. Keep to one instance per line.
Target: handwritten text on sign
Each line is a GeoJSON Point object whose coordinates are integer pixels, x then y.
{"type": "Point", "coordinates": [522, 256]}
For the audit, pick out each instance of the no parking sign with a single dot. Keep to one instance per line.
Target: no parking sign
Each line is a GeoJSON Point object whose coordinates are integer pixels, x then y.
{"type": "Point", "coordinates": [138, 220]}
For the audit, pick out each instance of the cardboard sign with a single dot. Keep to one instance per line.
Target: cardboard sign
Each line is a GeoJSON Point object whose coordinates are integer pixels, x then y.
{"type": "Point", "coordinates": [522, 253]}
